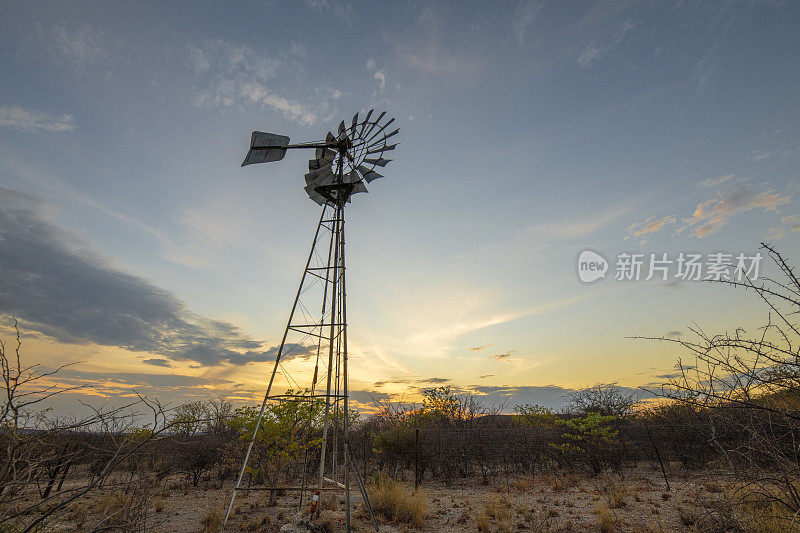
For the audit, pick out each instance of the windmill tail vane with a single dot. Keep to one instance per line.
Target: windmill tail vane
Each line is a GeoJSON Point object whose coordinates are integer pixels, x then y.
{"type": "Point", "coordinates": [342, 165]}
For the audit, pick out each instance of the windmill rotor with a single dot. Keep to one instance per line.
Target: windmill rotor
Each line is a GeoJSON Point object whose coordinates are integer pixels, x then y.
{"type": "Point", "coordinates": [343, 163]}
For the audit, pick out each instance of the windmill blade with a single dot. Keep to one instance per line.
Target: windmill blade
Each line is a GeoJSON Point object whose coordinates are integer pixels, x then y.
{"type": "Point", "coordinates": [325, 154]}
{"type": "Point", "coordinates": [330, 139]}
{"type": "Point", "coordinates": [381, 149]}
{"type": "Point", "coordinates": [352, 177]}
{"type": "Point", "coordinates": [341, 128]}
{"type": "Point", "coordinates": [371, 176]}
{"type": "Point", "coordinates": [373, 124]}
{"type": "Point", "coordinates": [368, 174]}
{"type": "Point", "coordinates": [265, 148]}
{"type": "Point", "coordinates": [366, 120]}
{"type": "Point", "coordinates": [379, 162]}
{"type": "Point", "coordinates": [358, 188]}
{"type": "Point", "coordinates": [383, 139]}
{"type": "Point", "coordinates": [395, 132]}
{"type": "Point", "coordinates": [380, 130]}
{"type": "Point", "coordinates": [355, 122]}
{"type": "Point", "coordinates": [314, 195]}
{"type": "Point", "coordinates": [322, 176]}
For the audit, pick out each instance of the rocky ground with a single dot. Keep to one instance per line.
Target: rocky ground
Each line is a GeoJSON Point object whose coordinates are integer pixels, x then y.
{"type": "Point", "coordinates": [635, 499]}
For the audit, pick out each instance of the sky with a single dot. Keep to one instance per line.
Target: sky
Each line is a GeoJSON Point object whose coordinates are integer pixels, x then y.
{"type": "Point", "coordinates": [135, 248]}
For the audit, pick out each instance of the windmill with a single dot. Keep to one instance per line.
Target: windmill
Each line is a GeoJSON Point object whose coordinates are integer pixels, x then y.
{"type": "Point", "coordinates": [343, 164]}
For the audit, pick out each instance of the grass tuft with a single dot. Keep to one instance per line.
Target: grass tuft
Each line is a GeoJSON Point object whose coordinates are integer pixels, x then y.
{"type": "Point", "coordinates": [396, 503]}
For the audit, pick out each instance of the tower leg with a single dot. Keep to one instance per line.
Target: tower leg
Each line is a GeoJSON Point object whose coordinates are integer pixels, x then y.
{"type": "Point", "coordinates": [274, 372]}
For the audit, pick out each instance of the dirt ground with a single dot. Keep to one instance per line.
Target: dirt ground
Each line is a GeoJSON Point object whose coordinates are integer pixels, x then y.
{"type": "Point", "coordinates": [635, 499]}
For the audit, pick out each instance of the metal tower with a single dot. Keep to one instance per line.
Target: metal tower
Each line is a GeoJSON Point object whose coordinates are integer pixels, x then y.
{"type": "Point", "coordinates": [341, 166]}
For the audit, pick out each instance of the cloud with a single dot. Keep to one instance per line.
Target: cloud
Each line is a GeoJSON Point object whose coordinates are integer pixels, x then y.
{"type": "Point", "coordinates": [793, 221]}
{"type": "Point", "coordinates": [379, 384]}
{"type": "Point", "coordinates": [759, 155]}
{"type": "Point", "coordinates": [260, 94]}
{"type": "Point", "coordinates": [524, 16]}
{"type": "Point", "coordinates": [589, 54]}
{"type": "Point", "coordinates": [551, 396]}
{"type": "Point", "coordinates": [713, 182]}
{"type": "Point", "coordinates": [370, 396]}
{"type": "Point", "coordinates": [228, 74]}
{"type": "Point", "coordinates": [425, 49]}
{"type": "Point", "coordinates": [486, 376]}
{"type": "Point", "coordinates": [370, 64]}
{"type": "Point", "coordinates": [338, 9]}
{"type": "Point", "coordinates": [789, 223]}
{"type": "Point", "coordinates": [504, 356]}
{"type": "Point", "coordinates": [32, 120]}
{"type": "Point", "coordinates": [381, 77]}
{"type": "Point", "coordinates": [650, 225]}
{"type": "Point", "coordinates": [595, 51]}
{"type": "Point", "coordinates": [56, 285]}
{"type": "Point", "coordinates": [433, 380]}
{"type": "Point", "coordinates": [81, 47]}
{"type": "Point", "coordinates": [585, 226]}
{"type": "Point", "coordinates": [713, 214]}
{"type": "Point", "coordinates": [157, 362]}
{"type": "Point", "coordinates": [477, 348]}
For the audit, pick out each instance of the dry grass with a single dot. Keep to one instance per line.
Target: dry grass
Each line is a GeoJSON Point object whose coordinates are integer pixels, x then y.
{"type": "Point", "coordinates": [523, 484]}
{"type": "Point", "coordinates": [498, 507]}
{"type": "Point", "coordinates": [539, 519]}
{"type": "Point", "coordinates": [392, 500]}
{"type": "Point", "coordinates": [482, 523]}
{"type": "Point", "coordinates": [769, 518]}
{"type": "Point", "coordinates": [615, 493]}
{"type": "Point", "coordinates": [212, 521]}
{"type": "Point", "coordinates": [608, 524]}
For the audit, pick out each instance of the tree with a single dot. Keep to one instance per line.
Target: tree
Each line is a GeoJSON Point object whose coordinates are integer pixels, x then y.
{"type": "Point", "coordinates": [747, 385]}
{"type": "Point", "coordinates": [287, 431]}
{"type": "Point", "coordinates": [608, 400]}
{"type": "Point", "coordinates": [39, 449]}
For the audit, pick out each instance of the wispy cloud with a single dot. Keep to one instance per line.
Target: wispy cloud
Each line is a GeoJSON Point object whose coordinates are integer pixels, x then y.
{"type": "Point", "coordinates": [340, 10]}
{"type": "Point", "coordinates": [713, 182]}
{"type": "Point", "coordinates": [596, 50]}
{"type": "Point", "coordinates": [712, 215]}
{"type": "Point", "coordinates": [33, 120]}
{"type": "Point", "coordinates": [788, 223]}
{"type": "Point", "coordinates": [423, 48]}
{"type": "Point", "coordinates": [524, 16]}
{"type": "Point", "coordinates": [381, 79]}
{"type": "Point", "coordinates": [570, 229]}
{"type": "Point", "coordinates": [505, 356]}
{"type": "Point", "coordinates": [760, 155]}
{"type": "Point", "coordinates": [157, 362]}
{"type": "Point", "coordinates": [81, 47]}
{"type": "Point", "coordinates": [228, 73]}
{"type": "Point", "coordinates": [650, 225]}
{"type": "Point", "coordinates": [433, 381]}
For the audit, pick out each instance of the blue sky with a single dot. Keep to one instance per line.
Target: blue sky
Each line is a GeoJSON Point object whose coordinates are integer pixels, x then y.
{"type": "Point", "coordinates": [134, 243]}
